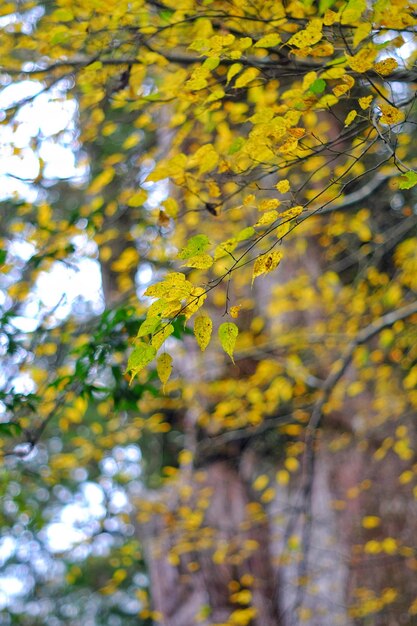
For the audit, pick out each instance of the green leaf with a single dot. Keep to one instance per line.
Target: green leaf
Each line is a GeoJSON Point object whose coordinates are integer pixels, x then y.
{"type": "Point", "coordinates": [408, 180]}
{"type": "Point", "coordinates": [318, 86]}
{"type": "Point", "coordinates": [228, 333]}
{"type": "Point", "coordinates": [3, 255]}
{"type": "Point", "coordinates": [246, 233]}
{"type": "Point", "coordinates": [142, 354]}
{"type": "Point", "coordinates": [10, 429]}
{"type": "Point", "coordinates": [180, 328]}
{"type": "Point", "coordinates": [237, 145]}
{"type": "Point", "coordinates": [149, 326]}
{"type": "Point", "coordinates": [324, 5]}
{"type": "Point", "coordinates": [62, 15]}
{"type": "Point", "coordinates": [59, 36]}
{"type": "Point", "coordinates": [166, 15]}
{"type": "Point", "coordinates": [195, 245]}
{"type": "Point", "coordinates": [352, 11]}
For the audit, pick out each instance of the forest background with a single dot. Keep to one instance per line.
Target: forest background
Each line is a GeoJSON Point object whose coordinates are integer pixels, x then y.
{"type": "Point", "coordinates": [208, 313]}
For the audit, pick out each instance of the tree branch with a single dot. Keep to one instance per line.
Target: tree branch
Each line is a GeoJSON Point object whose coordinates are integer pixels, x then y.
{"type": "Point", "coordinates": [341, 366]}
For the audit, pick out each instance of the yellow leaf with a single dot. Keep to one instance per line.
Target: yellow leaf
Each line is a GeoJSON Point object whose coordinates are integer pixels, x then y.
{"type": "Point", "coordinates": [234, 310]}
{"type": "Point", "coordinates": [267, 218]}
{"type": "Point", "coordinates": [243, 617]}
{"type": "Point", "coordinates": [390, 114]}
{"type": "Point", "coordinates": [372, 547]}
{"type": "Point", "coordinates": [361, 32]}
{"type": "Point", "coordinates": [268, 204]}
{"type": "Point", "coordinates": [385, 67]}
{"type": "Point", "coordinates": [292, 464]}
{"type": "Point", "coordinates": [413, 608]}
{"type": "Point", "coordinates": [266, 263]}
{"type": "Point", "coordinates": [205, 158]}
{"type": "Point", "coordinates": [195, 301]}
{"type": "Point", "coordinates": [263, 115]}
{"type": "Point", "coordinates": [173, 168]}
{"type": "Point", "coordinates": [296, 133]}
{"type": "Point", "coordinates": [283, 186]}
{"type": "Point", "coordinates": [294, 211]}
{"type": "Point", "coordinates": [173, 559]}
{"type": "Point", "coordinates": [157, 308]}
{"type": "Point", "coordinates": [185, 457]}
{"type": "Point", "coordinates": [282, 230]}
{"type": "Point", "coordinates": [269, 41]}
{"type": "Point", "coordinates": [330, 17]}
{"type": "Point", "coordinates": [350, 117]}
{"type": "Point", "coordinates": [200, 261]}
{"type": "Point", "coordinates": [228, 333]}
{"type": "Point", "coordinates": [127, 261]}
{"type": "Point", "coordinates": [217, 94]}
{"type": "Point", "coordinates": [131, 141]}
{"type": "Point", "coordinates": [309, 36]}
{"type": "Point", "coordinates": [363, 60]}
{"type": "Point", "coordinates": [268, 495]}
{"type": "Point", "coordinates": [164, 367]}
{"type": "Point", "coordinates": [346, 85]}
{"type": "Point", "coordinates": [327, 101]}
{"type": "Point", "coordinates": [261, 482]}
{"type": "Point", "coordinates": [246, 77]}
{"type": "Point", "coordinates": [334, 73]}
{"type": "Point", "coordinates": [171, 207]}
{"type": "Point", "coordinates": [242, 597]}
{"type": "Point", "coordinates": [202, 330]}
{"type": "Point", "coordinates": [102, 180]}
{"type": "Point", "coordinates": [406, 477]}
{"type": "Point", "coordinates": [371, 521]}
{"type": "Point", "coordinates": [282, 477]}
{"type": "Point", "coordinates": [174, 287]}
{"type": "Point", "coordinates": [138, 198]}
{"type": "Point", "coordinates": [8, 7]}
{"type": "Point", "coordinates": [389, 545]}
{"type": "Point", "coordinates": [308, 80]}
{"type": "Point", "coordinates": [233, 70]}
{"type": "Point", "coordinates": [365, 102]}
{"type": "Point", "coordinates": [288, 146]}
{"type": "Point", "coordinates": [225, 248]}
{"type": "Point", "coordinates": [198, 78]}
{"type": "Point", "coordinates": [161, 335]}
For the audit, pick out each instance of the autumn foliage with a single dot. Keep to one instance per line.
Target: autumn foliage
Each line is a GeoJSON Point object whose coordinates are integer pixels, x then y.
{"type": "Point", "coordinates": [209, 315]}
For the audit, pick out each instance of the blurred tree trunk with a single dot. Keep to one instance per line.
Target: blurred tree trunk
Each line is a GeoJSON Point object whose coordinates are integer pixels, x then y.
{"type": "Point", "coordinates": [231, 555]}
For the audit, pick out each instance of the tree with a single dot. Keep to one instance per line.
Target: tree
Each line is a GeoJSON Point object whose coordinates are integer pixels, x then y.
{"type": "Point", "coordinates": [244, 170]}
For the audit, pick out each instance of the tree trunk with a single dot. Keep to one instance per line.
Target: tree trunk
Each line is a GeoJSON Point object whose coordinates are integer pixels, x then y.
{"type": "Point", "coordinates": [205, 574]}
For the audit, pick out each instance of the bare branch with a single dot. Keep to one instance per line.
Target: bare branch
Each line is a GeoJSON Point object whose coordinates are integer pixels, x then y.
{"type": "Point", "coordinates": [342, 365]}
